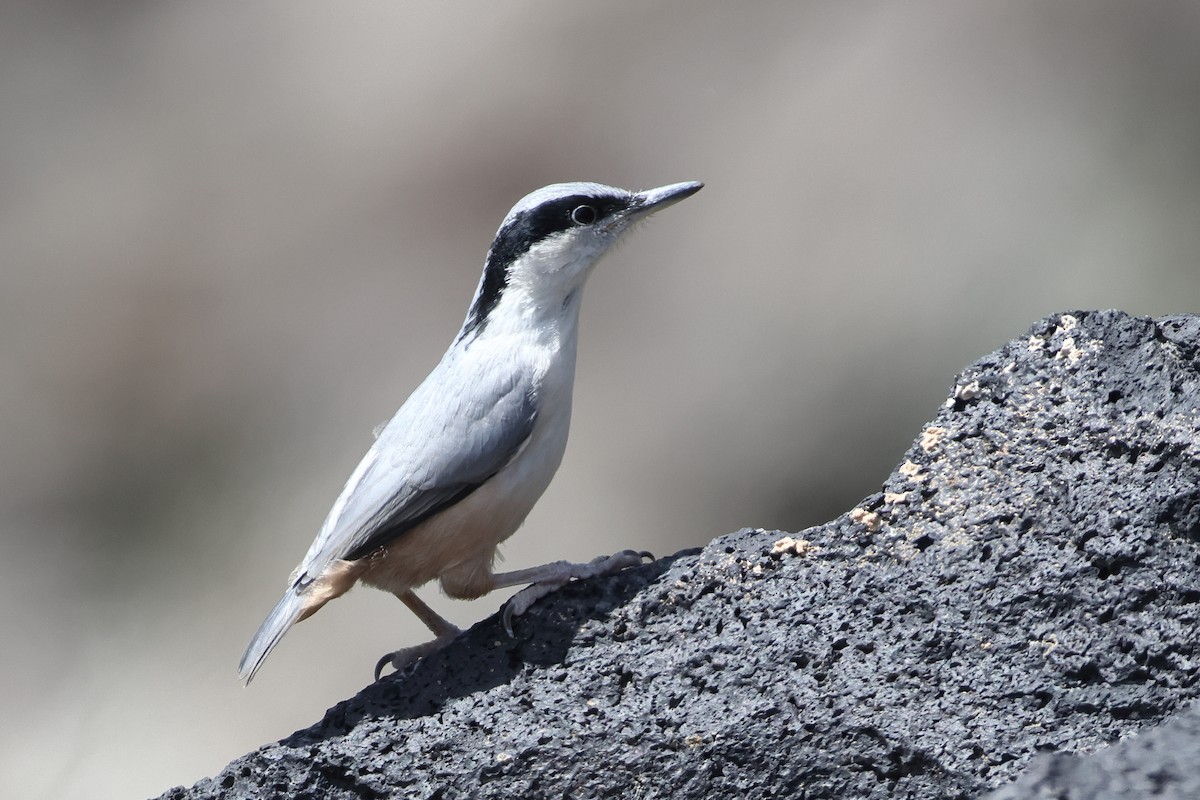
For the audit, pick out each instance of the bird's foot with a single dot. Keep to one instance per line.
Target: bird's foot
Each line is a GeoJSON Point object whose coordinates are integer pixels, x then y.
{"type": "Point", "coordinates": [401, 658]}
{"type": "Point", "coordinates": [521, 602]}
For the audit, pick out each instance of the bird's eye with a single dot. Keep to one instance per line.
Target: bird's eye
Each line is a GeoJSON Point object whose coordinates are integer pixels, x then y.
{"type": "Point", "coordinates": [583, 215]}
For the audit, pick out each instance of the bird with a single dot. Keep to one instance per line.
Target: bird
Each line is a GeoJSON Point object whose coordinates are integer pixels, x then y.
{"type": "Point", "coordinates": [456, 470]}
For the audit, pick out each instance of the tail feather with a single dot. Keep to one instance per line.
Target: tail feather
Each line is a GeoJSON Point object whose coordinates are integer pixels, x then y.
{"type": "Point", "coordinates": [287, 612]}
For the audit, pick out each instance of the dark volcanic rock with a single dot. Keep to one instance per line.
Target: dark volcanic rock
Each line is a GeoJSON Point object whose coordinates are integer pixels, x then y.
{"type": "Point", "coordinates": [1162, 763]}
{"type": "Point", "coordinates": [1027, 581]}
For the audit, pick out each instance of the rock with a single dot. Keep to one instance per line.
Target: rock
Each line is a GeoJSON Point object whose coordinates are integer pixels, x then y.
{"type": "Point", "coordinates": [1027, 581]}
{"type": "Point", "coordinates": [1159, 763]}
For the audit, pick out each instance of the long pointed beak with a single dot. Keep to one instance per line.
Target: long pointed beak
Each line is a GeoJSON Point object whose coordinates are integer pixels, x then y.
{"type": "Point", "coordinates": [654, 199]}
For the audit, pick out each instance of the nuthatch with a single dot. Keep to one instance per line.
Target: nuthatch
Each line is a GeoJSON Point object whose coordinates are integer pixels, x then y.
{"type": "Point", "coordinates": [461, 464]}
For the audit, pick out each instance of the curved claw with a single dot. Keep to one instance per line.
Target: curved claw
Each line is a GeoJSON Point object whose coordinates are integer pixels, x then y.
{"type": "Point", "coordinates": [506, 617]}
{"type": "Point", "coordinates": [520, 602]}
{"type": "Point", "coordinates": [381, 663]}
{"type": "Point", "coordinates": [619, 561]}
{"type": "Point", "coordinates": [402, 658]}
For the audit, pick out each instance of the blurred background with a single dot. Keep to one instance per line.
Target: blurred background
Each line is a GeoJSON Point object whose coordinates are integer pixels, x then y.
{"type": "Point", "coordinates": [235, 236]}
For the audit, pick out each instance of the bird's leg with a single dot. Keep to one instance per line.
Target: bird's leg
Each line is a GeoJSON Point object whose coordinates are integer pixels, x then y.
{"type": "Point", "coordinates": [550, 577]}
{"type": "Point", "coordinates": [542, 581]}
{"type": "Point", "coordinates": [444, 631]}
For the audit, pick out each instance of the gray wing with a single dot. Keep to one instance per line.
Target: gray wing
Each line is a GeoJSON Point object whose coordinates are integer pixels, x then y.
{"type": "Point", "coordinates": [439, 448]}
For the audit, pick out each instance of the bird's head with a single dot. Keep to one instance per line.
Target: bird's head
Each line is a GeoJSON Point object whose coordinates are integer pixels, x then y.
{"type": "Point", "coordinates": [550, 240]}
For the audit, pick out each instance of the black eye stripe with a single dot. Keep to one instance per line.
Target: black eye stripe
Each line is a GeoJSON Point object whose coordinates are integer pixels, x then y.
{"type": "Point", "coordinates": [523, 231]}
{"type": "Point", "coordinates": [530, 227]}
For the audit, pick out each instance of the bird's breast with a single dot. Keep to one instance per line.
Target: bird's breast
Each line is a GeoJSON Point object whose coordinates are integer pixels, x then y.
{"type": "Point", "coordinates": [468, 532]}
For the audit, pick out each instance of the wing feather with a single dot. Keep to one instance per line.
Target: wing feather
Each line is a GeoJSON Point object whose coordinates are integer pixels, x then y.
{"type": "Point", "coordinates": [437, 449]}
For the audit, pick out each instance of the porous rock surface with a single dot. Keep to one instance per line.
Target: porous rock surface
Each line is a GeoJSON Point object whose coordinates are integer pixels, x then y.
{"type": "Point", "coordinates": [1162, 763]}
{"type": "Point", "coordinates": [1027, 581]}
